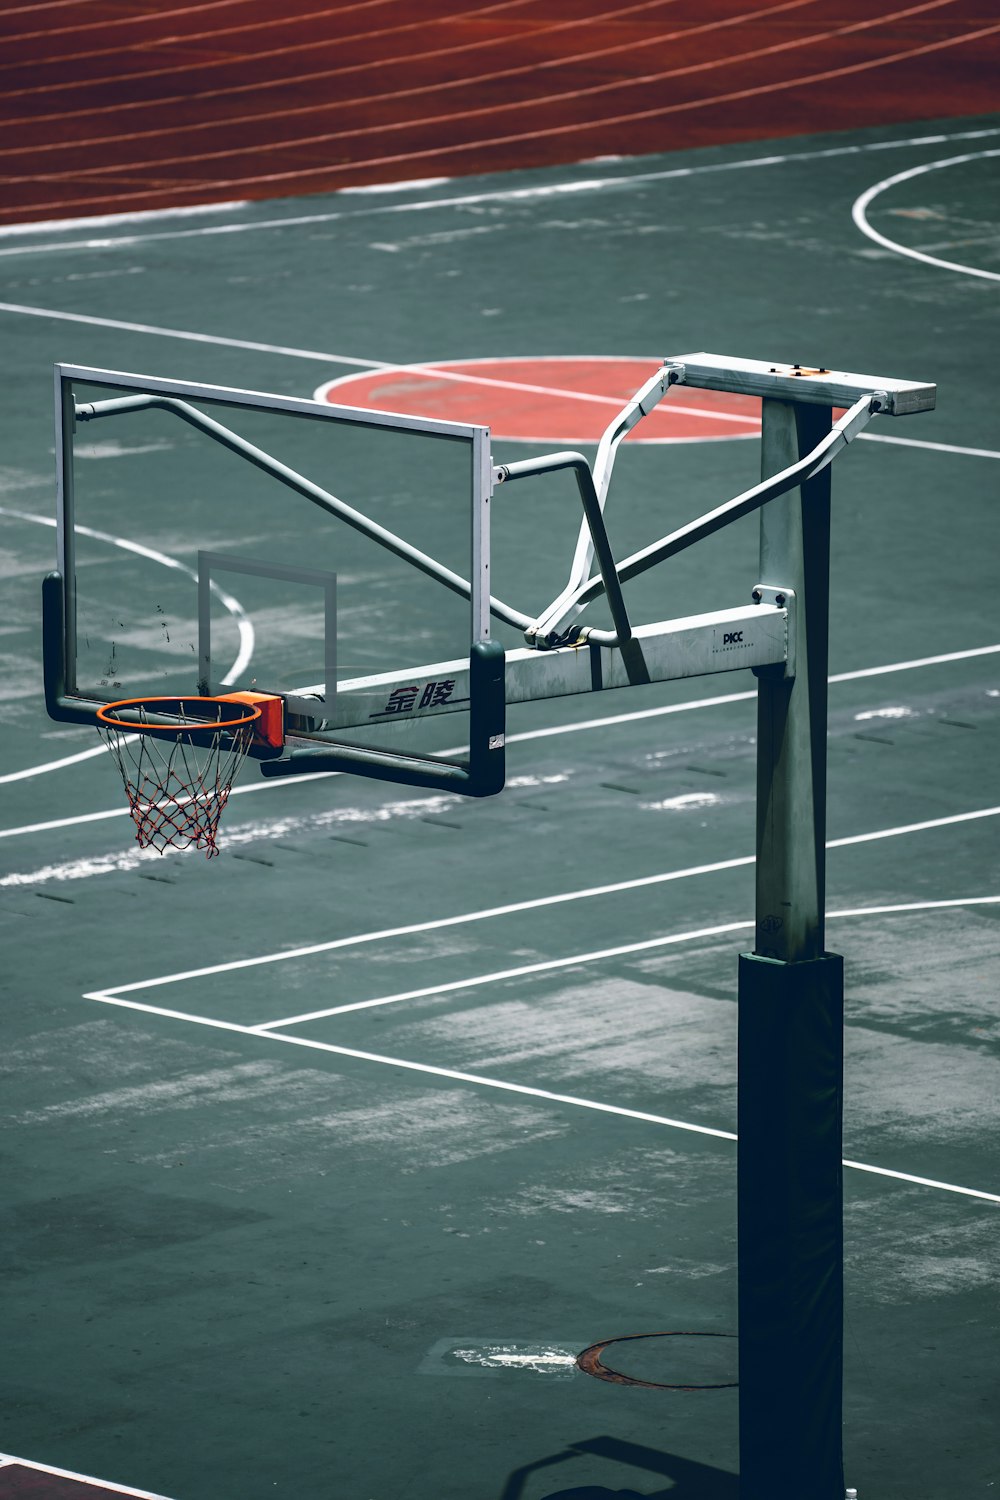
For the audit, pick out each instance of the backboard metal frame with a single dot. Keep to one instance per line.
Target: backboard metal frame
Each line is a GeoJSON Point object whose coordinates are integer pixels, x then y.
{"type": "Point", "coordinates": [132, 392]}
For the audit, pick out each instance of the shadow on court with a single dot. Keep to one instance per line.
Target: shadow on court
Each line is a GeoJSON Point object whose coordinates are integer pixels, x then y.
{"type": "Point", "coordinates": [689, 1480]}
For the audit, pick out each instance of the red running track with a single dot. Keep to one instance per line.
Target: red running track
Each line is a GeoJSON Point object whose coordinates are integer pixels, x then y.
{"type": "Point", "coordinates": [113, 106]}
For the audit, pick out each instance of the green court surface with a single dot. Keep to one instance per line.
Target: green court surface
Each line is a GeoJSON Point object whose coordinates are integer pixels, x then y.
{"type": "Point", "coordinates": [254, 1251]}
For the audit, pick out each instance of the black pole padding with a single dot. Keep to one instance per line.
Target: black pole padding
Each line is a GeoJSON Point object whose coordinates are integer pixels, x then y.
{"type": "Point", "coordinates": [64, 710]}
{"type": "Point", "coordinates": [487, 720]}
{"type": "Point", "coordinates": [790, 1218]}
{"type": "Point", "coordinates": [53, 640]}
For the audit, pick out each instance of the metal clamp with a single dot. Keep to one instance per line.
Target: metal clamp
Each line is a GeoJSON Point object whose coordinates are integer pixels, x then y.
{"type": "Point", "coordinates": [783, 599]}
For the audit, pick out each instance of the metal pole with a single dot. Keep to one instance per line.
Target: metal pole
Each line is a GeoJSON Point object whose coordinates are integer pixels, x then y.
{"type": "Point", "coordinates": [790, 1192]}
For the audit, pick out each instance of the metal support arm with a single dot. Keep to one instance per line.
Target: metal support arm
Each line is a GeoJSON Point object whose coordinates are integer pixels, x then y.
{"type": "Point", "coordinates": [839, 435]}
{"type": "Point", "coordinates": [645, 400]}
{"type": "Point", "coordinates": [594, 520]}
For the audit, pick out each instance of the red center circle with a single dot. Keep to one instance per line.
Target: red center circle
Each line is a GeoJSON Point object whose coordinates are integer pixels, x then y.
{"type": "Point", "coordinates": [554, 399]}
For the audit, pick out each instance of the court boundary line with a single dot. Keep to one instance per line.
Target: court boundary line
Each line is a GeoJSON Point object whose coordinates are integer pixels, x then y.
{"type": "Point", "coordinates": [520, 737]}
{"type": "Point", "coordinates": [599, 955]}
{"type": "Point", "coordinates": [526, 1090]}
{"type": "Point", "coordinates": [535, 903]}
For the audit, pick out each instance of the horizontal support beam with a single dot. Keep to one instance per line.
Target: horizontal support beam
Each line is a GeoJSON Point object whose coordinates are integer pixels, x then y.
{"type": "Point", "coordinates": [758, 377]}
{"type": "Point", "coordinates": [755, 635]}
{"type": "Point", "coordinates": [296, 406]}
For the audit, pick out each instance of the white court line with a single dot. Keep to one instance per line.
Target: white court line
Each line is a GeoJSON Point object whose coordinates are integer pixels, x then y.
{"type": "Point", "coordinates": [678, 708]}
{"type": "Point", "coordinates": [676, 407]}
{"type": "Point", "coordinates": [498, 195]}
{"type": "Point", "coordinates": [921, 661]}
{"type": "Point", "coordinates": [415, 1067]}
{"type": "Point", "coordinates": [243, 624]}
{"type": "Point", "coordinates": [547, 965]}
{"type": "Point", "coordinates": [430, 370]}
{"type": "Point", "coordinates": [435, 924]}
{"type": "Point", "coordinates": [451, 369]}
{"type": "Point", "coordinates": [535, 903]}
{"type": "Point", "coordinates": [901, 442]}
{"type": "Point", "coordinates": [499, 975]}
{"type": "Point", "coordinates": [948, 1187]}
{"type": "Point", "coordinates": [524, 735]}
{"type": "Point", "coordinates": [859, 213]}
{"type": "Point", "coordinates": [423, 368]}
{"type": "Point", "coordinates": [503, 1085]}
{"type": "Point", "coordinates": [888, 833]}
{"type": "Point", "coordinates": [55, 765]}
{"type": "Point", "coordinates": [133, 216]}
{"type": "Point", "coordinates": [565, 394]}
{"type": "Point", "coordinates": [23, 310]}
{"type": "Point", "coordinates": [106, 1484]}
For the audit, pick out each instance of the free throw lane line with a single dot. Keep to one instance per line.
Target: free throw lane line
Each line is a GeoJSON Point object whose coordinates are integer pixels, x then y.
{"type": "Point", "coordinates": [545, 966]}
{"type": "Point", "coordinates": [560, 898]}
{"type": "Point", "coordinates": [479, 1080]}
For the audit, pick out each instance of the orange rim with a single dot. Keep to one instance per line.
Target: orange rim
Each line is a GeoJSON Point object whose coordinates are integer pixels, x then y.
{"type": "Point", "coordinates": [211, 726]}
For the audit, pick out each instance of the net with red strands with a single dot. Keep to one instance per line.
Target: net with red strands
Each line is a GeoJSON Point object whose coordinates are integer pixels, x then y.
{"type": "Point", "coordinates": [178, 758]}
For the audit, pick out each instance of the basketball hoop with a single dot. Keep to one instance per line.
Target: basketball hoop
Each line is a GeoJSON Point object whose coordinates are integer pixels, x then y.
{"type": "Point", "coordinates": [178, 758]}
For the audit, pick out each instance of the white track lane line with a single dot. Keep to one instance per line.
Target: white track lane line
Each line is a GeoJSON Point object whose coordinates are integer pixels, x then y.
{"type": "Point", "coordinates": [498, 195]}
{"type": "Point", "coordinates": [397, 159]}
{"type": "Point", "coordinates": [859, 213]}
{"type": "Point", "coordinates": [432, 115]}
{"type": "Point", "coordinates": [525, 735]}
{"type": "Point", "coordinates": [336, 78]}
{"type": "Point", "coordinates": [535, 903]}
{"type": "Point", "coordinates": [102, 26]}
{"type": "Point", "coordinates": [574, 960]}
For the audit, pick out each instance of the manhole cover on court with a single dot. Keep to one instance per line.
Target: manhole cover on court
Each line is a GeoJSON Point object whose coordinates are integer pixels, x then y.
{"type": "Point", "coordinates": [547, 400]}
{"type": "Point", "coordinates": [693, 1361]}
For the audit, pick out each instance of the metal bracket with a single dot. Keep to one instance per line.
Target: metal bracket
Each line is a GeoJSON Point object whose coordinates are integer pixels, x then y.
{"type": "Point", "coordinates": [765, 593]}
{"type": "Point", "coordinates": [537, 633]}
{"type": "Point", "coordinates": [482, 775]}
